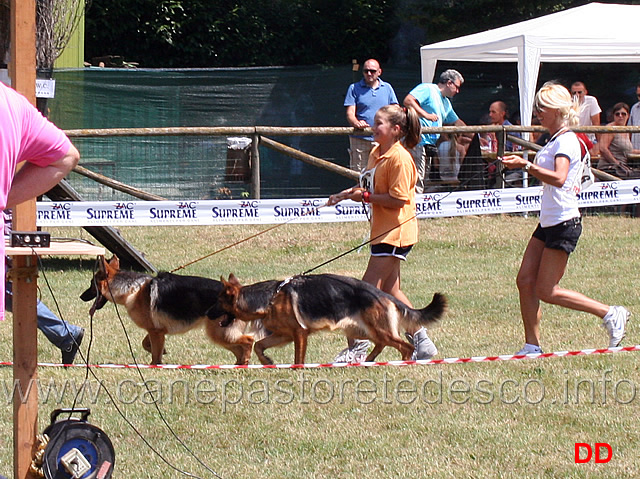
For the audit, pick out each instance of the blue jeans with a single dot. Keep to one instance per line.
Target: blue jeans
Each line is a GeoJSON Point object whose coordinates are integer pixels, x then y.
{"type": "Point", "coordinates": [59, 332]}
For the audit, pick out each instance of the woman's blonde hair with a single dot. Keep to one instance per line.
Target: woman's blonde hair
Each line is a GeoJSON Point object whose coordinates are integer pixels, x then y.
{"type": "Point", "coordinates": [555, 96]}
{"type": "Point", "coordinates": [408, 121]}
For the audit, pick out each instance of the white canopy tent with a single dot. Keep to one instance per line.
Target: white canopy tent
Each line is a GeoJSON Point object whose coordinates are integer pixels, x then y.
{"type": "Point", "coordinates": [593, 33]}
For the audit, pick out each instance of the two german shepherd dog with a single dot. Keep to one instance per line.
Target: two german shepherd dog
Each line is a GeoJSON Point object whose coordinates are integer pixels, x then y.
{"type": "Point", "coordinates": [293, 309]}
{"type": "Point", "coordinates": [261, 315]}
{"type": "Point", "coordinates": [171, 304]}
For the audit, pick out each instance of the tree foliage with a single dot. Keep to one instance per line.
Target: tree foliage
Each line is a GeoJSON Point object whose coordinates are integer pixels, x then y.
{"type": "Point", "coordinates": [206, 33]}
{"type": "Point", "coordinates": [202, 33]}
{"type": "Point", "coordinates": [445, 19]}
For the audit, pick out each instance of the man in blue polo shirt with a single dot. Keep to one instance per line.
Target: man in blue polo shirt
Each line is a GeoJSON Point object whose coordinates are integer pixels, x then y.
{"type": "Point", "coordinates": [362, 101]}
{"type": "Point", "coordinates": [432, 101]}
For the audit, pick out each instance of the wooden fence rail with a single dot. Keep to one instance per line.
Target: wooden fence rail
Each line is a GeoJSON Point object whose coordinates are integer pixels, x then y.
{"type": "Point", "coordinates": [260, 136]}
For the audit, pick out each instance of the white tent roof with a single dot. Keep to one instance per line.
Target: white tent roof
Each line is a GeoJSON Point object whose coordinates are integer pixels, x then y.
{"type": "Point", "coordinates": [592, 33]}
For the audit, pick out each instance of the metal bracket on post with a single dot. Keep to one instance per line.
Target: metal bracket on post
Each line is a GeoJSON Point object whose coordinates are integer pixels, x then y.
{"type": "Point", "coordinates": [27, 273]}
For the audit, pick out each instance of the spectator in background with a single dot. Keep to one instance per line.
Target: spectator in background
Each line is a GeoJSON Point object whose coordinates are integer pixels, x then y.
{"type": "Point", "coordinates": [589, 111]}
{"type": "Point", "coordinates": [432, 101]}
{"type": "Point", "coordinates": [362, 101]}
{"type": "Point", "coordinates": [498, 115]}
{"type": "Point", "coordinates": [451, 154]}
{"type": "Point", "coordinates": [616, 147]}
{"type": "Point", "coordinates": [634, 119]}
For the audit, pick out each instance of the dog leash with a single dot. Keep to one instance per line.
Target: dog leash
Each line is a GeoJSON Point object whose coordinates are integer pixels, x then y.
{"type": "Point", "coordinates": [365, 243]}
{"type": "Point", "coordinates": [244, 240]}
{"type": "Point", "coordinates": [271, 228]}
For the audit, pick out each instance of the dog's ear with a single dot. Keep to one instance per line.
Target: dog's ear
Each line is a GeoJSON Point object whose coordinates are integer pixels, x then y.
{"type": "Point", "coordinates": [224, 282]}
{"type": "Point", "coordinates": [112, 266]}
{"type": "Point", "coordinates": [233, 280]}
{"type": "Point", "coordinates": [114, 262]}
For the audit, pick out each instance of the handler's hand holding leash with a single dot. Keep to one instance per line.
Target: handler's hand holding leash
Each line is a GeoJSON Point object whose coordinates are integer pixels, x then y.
{"type": "Point", "coordinates": [355, 194]}
{"type": "Point", "coordinates": [514, 161]}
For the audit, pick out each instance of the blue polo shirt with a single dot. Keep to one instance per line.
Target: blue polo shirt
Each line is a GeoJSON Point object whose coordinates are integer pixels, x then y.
{"type": "Point", "coordinates": [432, 101]}
{"type": "Point", "coordinates": [369, 100]}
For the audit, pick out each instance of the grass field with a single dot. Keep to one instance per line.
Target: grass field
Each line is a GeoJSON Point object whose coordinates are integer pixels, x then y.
{"type": "Point", "coordinates": [512, 419]}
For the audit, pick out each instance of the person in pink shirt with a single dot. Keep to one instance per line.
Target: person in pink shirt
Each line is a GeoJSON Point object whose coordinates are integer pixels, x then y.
{"type": "Point", "coordinates": [25, 135]}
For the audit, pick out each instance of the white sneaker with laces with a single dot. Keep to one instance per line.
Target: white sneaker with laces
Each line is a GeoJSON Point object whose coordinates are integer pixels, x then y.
{"type": "Point", "coordinates": [360, 350]}
{"type": "Point", "coordinates": [529, 349]}
{"type": "Point", "coordinates": [355, 354]}
{"type": "Point", "coordinates": [424, 347]}
{"type": "Point", "coordinates": [615, 322]}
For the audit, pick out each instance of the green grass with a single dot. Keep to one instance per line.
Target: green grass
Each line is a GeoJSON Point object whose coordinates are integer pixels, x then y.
{"type": "Point", "coordinates": [505, 419]}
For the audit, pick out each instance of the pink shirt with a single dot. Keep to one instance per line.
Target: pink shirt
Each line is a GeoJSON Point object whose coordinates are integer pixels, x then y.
{"type": "Point", "coordinates": [25, 135]}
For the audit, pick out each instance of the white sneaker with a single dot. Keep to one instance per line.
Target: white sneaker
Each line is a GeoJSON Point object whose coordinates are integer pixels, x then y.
{"type": "Point", "coordinates": [424, 348]}
{"type": "Point", "coordinates": [360, 350]}
{"type": "Point", "coordinates": [529, 349]}
{"type": "Point", "coordinates": [356, 354]}
{"type": "Point", "coordinates": [615, 322]}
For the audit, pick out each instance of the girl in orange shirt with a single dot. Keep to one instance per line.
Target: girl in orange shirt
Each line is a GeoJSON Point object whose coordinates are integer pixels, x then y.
{"type": "Point", "coordinates": [388, 185]}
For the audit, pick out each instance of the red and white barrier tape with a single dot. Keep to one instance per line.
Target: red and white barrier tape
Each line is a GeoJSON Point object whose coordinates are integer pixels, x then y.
{"type": "Point", "coordinates": [474, 359]}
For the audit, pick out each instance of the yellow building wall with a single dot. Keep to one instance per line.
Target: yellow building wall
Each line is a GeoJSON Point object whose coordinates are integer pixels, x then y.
{"type": "Point", "coordinates": [73, 55]}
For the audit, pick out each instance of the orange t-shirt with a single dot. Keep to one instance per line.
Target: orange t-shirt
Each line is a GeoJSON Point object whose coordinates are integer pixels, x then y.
{"type": "Point", "coordinates": [396, 174]}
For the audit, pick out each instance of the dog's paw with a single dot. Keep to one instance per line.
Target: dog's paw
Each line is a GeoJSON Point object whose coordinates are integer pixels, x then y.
{"type": "Point", "coordinates": [266, 360]}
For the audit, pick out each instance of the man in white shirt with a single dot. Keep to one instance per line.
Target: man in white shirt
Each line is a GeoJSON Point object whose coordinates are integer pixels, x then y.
{"type": "Point", "coordinates": [634, 120]}
{"type": "Point", "coordinates": [589, 109]}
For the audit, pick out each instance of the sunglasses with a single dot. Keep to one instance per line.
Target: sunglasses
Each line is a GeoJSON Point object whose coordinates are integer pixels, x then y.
{"type": "Point", "coordinates": [369, 70]}
{"type": "Point", "coordinates": [457, 86]}
{"type": "Point", "coordinates": [621, 113]}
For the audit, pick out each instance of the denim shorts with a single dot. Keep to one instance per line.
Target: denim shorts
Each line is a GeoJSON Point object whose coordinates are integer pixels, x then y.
{"type": "Point", "coordinates": [384, 249]}
{"type": "Point", "coordinates": [563, 236]}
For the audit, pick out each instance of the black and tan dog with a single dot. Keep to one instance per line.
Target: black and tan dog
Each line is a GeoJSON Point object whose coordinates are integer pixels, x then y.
{"type": "Point", "coordinates": [293, 309]}
{"type": "Point", "coordinates": [171, 304]}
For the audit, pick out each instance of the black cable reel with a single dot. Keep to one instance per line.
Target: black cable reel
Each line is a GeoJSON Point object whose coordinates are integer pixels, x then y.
{"type": "Point", "coordinates": [71, 448]}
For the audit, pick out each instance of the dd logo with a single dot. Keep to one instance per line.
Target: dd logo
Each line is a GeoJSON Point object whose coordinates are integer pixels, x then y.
{"type": "Point", "coordinates": [599, 459]}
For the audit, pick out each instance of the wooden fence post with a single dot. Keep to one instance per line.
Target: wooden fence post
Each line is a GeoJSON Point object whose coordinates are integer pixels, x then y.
{"type": "Point", "coordinates": [25, 342]}
{"type": "Point", "coordinates": [255, 166]}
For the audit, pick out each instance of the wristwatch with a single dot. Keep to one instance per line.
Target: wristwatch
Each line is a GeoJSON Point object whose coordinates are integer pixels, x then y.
{"type": "Point", "coordinates": [527, 166]}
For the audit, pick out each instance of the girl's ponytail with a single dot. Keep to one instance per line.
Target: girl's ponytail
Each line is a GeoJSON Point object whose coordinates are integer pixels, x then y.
{"type": "Point", "coordinates": [412, 134]}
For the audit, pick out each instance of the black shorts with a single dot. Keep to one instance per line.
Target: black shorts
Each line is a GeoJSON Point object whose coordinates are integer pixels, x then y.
{"type": "Point", "coordinates": [563, 236]}
{"type": "Point", "coordinates": [384, 249]}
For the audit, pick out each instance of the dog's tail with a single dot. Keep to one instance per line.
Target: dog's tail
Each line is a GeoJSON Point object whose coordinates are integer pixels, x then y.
{"type": "Point", "coordinates": [432, 313]}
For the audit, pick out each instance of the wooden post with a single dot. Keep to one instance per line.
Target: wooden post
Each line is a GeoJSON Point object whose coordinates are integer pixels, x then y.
{"type": "Point", "coordinates": [22, 67]}
{"type": "Point", "coordinates": [25, 345]}
{"type": "Point", "coordinates": [255, 167]}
